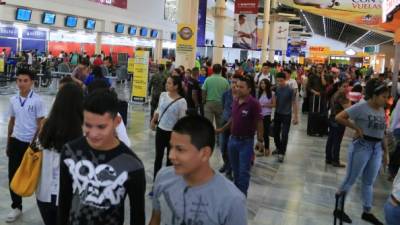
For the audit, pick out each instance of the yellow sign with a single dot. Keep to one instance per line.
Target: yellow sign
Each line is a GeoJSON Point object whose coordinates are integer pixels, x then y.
{"type": "Point", "coordinates": [318, 50]}
{"type": "Point", "coordinates": [131, 65]}
{"type": "Point", "coordinates": [1, 65]}
{"type": "Point", "coordinates": [186, 38]}
{"type": "Point", "coordinates": [140, 76]}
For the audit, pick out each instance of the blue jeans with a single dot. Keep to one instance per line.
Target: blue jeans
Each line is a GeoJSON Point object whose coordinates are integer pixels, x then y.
{"type": "Point", "coordinates": [392, 213]}
{"type": "Point", "coordinates": [364, 159]}
{"type": "Point", "coordinates": [224, 139]}
{"type": "Point", "coordinates": [240, 154]}
{"type": "Point", "coordinates": [335, 137]}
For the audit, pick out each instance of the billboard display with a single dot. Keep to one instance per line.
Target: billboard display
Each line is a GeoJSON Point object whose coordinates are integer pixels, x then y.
{"type": "Point", "coordinates": [363, 13]}
{"type": "Point", "coordinates": [245, 24]}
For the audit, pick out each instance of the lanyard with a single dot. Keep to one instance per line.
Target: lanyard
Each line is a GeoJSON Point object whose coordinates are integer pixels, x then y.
{"type": "Point", "coordinates": [23, 102]}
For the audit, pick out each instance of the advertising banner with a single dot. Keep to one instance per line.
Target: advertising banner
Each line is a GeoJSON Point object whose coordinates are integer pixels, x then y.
{"type": "Point", "coordinates": [131, 65]}
{"type": "Point", "coordinates": [140, 76]}
{"type": "Point", "coordinates": [185, 40]}
{"type": "Point", "coordinates": [123, 4]}
{"type": "Point", "coordinates": [201, 26]}
{"type": "Point", "coordinates": [279, 40]}
{"type": "Point", "coordinates": [388, 6]}
{"type": "Point", "coordinates": [1, 65]}
{"type": "Point", "coordinates": [319, 50]}
{"type": "Point", "coordinates": [364, 13]}
{"type": "Point", "coordinates": [245, 24]}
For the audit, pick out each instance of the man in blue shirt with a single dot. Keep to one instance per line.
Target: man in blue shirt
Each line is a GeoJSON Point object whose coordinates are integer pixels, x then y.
{"type": "Point", "coordinates": [227, 100]}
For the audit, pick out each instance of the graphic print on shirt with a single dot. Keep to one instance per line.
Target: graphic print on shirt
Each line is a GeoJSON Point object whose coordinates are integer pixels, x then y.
{"type": "Point", "coordinates": [196, 211]}
{"type": "Point", "coordinates": [98, 186]}
{"type": "Point", "coordinates": [376, 122]}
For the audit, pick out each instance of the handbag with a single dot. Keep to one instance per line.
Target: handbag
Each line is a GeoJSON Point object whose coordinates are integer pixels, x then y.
{"type": "Point", "coordinates": [165, 110]}
{"type": "Point", "coordinates": [27, 176]}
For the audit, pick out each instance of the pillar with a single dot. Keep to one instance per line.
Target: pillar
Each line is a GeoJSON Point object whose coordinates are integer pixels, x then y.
{"type": "Point", "coordinates": [187, 13]}
{"type": "Point", "coordinates": [99, 41]}
{"type": "Point", "coordinates": [159, 46]}
{"type": "Point", "coordinates": [219, 17]}
{"type": "Point", "coordinates": [395, 77]}
{"type": "Point", "coordinates": [264, 47]}
{"type": "Point", "coordinates": [271, 51]}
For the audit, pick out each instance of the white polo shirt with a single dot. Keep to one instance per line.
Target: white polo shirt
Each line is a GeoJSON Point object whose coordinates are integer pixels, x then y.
{"type": "Point", "coordinates": [26, 112]}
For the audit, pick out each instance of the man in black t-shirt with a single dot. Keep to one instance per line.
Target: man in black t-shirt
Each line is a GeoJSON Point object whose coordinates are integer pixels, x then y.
{"type": "Point", "coordinates": [193, 95]}
{"type": "Point", "coordinates": [98, 171]}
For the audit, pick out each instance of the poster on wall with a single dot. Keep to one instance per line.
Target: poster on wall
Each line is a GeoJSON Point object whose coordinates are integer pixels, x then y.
{"type": "Point", "coordinates": [185, 41]}
{"type": "Point", "coordinates": [245, 24]}
{"type": "Point", "coordinates": [123, 4]}
{"type": "Point", "coordinates": [364, 13]}
{"type": "Point", "coordinates": [279, 41]}
{"type": "Point", "coordinates": [140, 76]}
{"type": "Point", "coordinates": [201, 26]}
{"type": "Point", "coordinates": [1, 65]}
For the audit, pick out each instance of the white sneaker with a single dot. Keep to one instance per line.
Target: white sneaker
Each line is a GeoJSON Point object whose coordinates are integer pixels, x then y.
{"type": "Point", "coordinates": [13, 215]}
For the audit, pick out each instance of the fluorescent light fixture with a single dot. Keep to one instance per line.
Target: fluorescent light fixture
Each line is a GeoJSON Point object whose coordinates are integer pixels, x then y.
{"type": "Point", "coordinates": [308, 22]}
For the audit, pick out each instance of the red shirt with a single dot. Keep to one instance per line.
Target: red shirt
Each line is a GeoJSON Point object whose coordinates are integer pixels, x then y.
{"type": "Point", "coordinates": [245, 117]}
{"type": "Point", "coordinates": [98, 62]}
{"type": "Point", "coordinates": [209, 71]}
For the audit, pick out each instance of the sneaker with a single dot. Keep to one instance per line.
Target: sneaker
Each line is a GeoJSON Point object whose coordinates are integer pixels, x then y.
{"type": "Point", "coordinates": [338, 164]}
{"type": "Point", "coordinates": [13, 215]}
{"type": "Point", "coordinates": [369, 217]}
{"type": "Point", "coordinates": [338, 214]}
{"type": "Point", "coordinates": [281, 158]}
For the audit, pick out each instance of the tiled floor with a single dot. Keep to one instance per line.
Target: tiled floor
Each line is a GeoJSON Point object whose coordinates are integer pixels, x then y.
{"type": "Point", "coordinates": [300, 191]}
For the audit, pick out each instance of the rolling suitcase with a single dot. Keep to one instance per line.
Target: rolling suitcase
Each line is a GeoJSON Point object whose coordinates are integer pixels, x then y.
{"type": "Point", "coordinates": [123, 111]}
{"type": "Point", "coordinates": [317, 124]}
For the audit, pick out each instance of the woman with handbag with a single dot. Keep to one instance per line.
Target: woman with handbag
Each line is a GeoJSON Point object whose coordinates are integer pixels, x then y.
{"type": "Point", "coordinates": [267, 101]}
{"type": "Point", "coordinates": [63, 124]}
{"type": "Point", "coordinates": [171, 107]}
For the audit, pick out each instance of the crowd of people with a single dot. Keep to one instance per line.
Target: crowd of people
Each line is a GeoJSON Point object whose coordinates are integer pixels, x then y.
{"type": "Point", "coordinates": [88, 168]}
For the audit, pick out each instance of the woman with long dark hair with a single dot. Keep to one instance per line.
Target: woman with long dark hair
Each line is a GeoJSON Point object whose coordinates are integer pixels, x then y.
{"type": "Point", "coordinates": [97, 74]}
{"type": "Point", "coordinates": [368, 147]}
{"type": "Point", "coordinates": [267, 101]}
{"type": "Point", "coordinates": [171, 107]}
{"type": "Point", "coordinates": [63, 124]}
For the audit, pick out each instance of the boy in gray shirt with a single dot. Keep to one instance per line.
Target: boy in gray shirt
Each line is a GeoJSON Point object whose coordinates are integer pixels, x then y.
{"type": "Point", "coordinates": [191, 192]}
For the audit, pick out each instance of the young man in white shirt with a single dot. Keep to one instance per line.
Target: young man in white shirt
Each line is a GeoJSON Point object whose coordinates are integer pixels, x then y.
{"type": "Point", "coordinates": [264, 74]}
{"type": "Point", "coordinates": [26, 112]}
{"type": "Point", "coordinates": [244, 33]}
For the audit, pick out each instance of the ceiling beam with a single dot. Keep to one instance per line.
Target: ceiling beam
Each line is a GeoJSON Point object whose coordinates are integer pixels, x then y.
{"type": "Point", "coordinates": [361, 37]}
{"type": "Point", "coordinates": [323, 21]}
{"type": "Point", "coordinates": [308, 22]}
{"type": "Point", "coordinates": [344, 27]}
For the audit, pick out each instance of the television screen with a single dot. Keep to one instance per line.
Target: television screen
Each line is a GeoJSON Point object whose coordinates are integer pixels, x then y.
{"type": "Point", "coordinates": [132, 30]}
{"type": "Point", "coordinates": [90, 24]}
{"type": "Point", "coordinates": [71, 21]}
{"type": "Point", "coordinates": [119, 28]}
{"type": "Point", "coordinates": [154, 33]}
{"type": "Point", "coordinates": [24, 14]}
{"type": "Point", "coordinates": [143, 32]}
{"type": "Point", "coordinates": [49, 18]}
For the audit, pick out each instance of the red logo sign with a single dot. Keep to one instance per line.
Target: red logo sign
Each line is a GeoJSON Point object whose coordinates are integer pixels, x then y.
{"type": "Point", "coordinates": [246, 6]}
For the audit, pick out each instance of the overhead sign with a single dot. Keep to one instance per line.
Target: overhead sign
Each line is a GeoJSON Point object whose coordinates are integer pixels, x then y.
{"type": "Point", "coordinates": [365, 13]}
{"type": "Point", "coordinates": [245, 24]}
{"type": "Point", "coordinates": [185, 41]}
{"type": "Point", "coordinates": [8, 32]}
{"type": "Point", "coordinates": [34, 34]}
{"type": "Point", "coordinates": [279, 41]}
{"type": "Point", "coordinates": [140, 76]}
{"type": "Point", "coordinates": [117, 3]}
{"type": "Point", "coordinates": [388, 6]}
{"type": "Point", "coordinates": [319, 49]}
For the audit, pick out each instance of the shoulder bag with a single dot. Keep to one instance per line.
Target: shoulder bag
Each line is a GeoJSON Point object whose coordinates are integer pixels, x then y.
{"type": "Point", "coordinates": [165, 110]}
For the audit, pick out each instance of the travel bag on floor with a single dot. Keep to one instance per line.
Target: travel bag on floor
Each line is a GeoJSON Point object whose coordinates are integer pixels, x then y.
{"type": "Point", "coordinates": [317, 124]}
